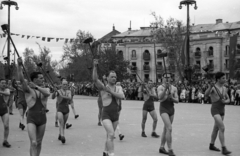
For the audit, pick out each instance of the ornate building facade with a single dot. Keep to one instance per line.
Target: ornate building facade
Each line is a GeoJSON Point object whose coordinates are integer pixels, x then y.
{"type": "Point", "coordinates": [209, 45]}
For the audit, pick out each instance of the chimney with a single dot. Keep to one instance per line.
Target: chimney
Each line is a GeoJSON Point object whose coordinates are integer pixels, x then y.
{"type": "Point", "coordinates": [218, 21]}
{"type": "Point", "coordinates": [130, 27]}
{"type": "Point", "coordinates": [113, 27]}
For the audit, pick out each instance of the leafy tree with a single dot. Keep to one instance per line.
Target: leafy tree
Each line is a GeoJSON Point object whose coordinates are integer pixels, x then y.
{"type": "Point", "coordinates": [170, 35]}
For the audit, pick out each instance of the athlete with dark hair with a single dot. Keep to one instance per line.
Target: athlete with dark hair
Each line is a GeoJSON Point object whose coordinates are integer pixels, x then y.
{"type": "Point", "coordinates": [36, 98]}
{"type": "Point", "coordinates": [219, 98]}
{"type": "Point", "coordinates": [4, 95]}
{"type": "Point", "coordinates": [168, 95]}
{"type": "Point", "coordinates": [149, 95]}
{"type": "Point", "coordinates": [63, 97]}
{"type": "Point", "coordinates": [110, 114]}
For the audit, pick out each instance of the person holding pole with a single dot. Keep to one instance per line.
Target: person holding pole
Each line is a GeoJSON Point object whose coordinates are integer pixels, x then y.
{"type": "Point", "coordinates": [219, 97]}
{"type": "Point", "coordinates": [168, 95]}
{"type": "Point", "coordinates": [110, 114]}
{"type": "Point", "coordinates": [36, 98]}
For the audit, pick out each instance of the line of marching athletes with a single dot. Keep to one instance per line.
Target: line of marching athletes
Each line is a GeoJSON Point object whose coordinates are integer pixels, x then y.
{"type": "Point", "coordinates": [36, 99]}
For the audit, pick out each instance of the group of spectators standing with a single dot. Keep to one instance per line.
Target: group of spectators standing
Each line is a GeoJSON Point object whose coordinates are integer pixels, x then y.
{"type": "Point", "coordinates": [187, 93]}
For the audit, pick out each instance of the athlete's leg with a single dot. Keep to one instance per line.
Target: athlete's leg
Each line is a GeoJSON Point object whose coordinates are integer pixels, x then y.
{"type": "Point", "coordinates": [155, 119]}
{"type": "Point", "coordinates": [219, 122]}
{"type": "Point", "coordinates": [99, 116]}
{"type": "Point", "coordinates": [144, 119]}
{"type": "Point", "coordinates": [32, 133]}
{"type": "Point", "coordinates": [5, 120]}
{"type": "Point", "coordinates": [61, 122]}
{"type": "Point", "coordinates": [40, 134]}
{"type": "Point", "coordinates": [168, 126]}
{"type": "Point", "coordinates": [110, 128]}
{"type": "Point", "coordinates": [73, 109]}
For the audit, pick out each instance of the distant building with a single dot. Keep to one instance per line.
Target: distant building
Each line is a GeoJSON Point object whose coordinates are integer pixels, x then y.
{"type": "Point", "coordinates": [209, 44]}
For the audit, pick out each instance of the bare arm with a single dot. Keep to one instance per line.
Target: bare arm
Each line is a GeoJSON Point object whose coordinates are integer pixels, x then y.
{"type": "Point", "coordinates": [161, 92]}
{"type": "Point", "coordinates": [6, 92]}
{"type": "Point", "coordinates": [24, 84]}
{"type": "Point", "coordinates": [117, 95]}
{"type": "Point", "coordinates": [226, 97]}
{"type": "Point", "coordinates": [96, 81]}
{"type": "Point", "coordinates": [68, 96]}
{"type": "Point", "coordinates": [175, 97]}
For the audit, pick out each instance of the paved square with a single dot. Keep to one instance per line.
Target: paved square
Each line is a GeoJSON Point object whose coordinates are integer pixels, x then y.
{"type": "Point", "coordinates": [191, 132]}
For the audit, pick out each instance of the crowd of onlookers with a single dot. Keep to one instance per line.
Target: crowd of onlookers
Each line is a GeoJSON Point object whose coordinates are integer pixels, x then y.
{"type": "Point", "coordinates": [187, 93]}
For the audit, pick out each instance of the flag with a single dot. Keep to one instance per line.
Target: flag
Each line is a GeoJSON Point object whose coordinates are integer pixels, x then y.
{"type": "Point", "coordinates": [183, 51]}
{"type": "Point", "coordinates": [232, 54]}
{"type": "Point", "coordinates": [43, 38]}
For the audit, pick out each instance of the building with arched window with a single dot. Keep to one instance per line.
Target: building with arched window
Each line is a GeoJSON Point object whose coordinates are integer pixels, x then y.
{"type": "Point", "coordinates": [209, 45]}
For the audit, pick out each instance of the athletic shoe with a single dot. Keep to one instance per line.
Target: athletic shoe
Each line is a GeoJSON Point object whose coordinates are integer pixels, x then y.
{"type": "Point", "coordinates": [68, 125]}
{"type": "Point", "coordinates": [63, 139]}
{"type": "Point", "coordinates": [47, 110]}
{"type": "Point", "coordinates": [225, 151]}
{"type": "Point", "coordinates": [121, 136]}
{"type": "Point", "coordinates": [76, 116]}
{"type": "Point", "coordinates": [11, 113]}
{"type": "Point", "coordinates": [56, 124]}
{"type": "Point", "coordinates": [6, 144]}
{"type": "Point", "coordinates": [213, 148]}
{"type": "Point", "coordinates": [59, 137]}
{"type": "Point", "coordinates": [144, 135]}
{"type": "Point", "coordinates": [99, 124]}
{"type": "Point", "coordinates": [22, 126]}
{"type": "Point", "coordinates": [170, 153]}
{"type": "Point", "coordinates": [162, 150]}
{"type": "Point", "coordinates": [154, 134]}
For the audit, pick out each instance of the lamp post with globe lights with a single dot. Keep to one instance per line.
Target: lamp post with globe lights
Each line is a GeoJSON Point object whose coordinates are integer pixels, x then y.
{"type": "Point", "coordinates": [187, 3]}
{"type": "Point", "coordinates": [9, 4]}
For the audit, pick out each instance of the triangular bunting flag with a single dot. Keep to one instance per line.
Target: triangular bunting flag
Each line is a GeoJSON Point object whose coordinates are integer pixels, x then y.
{"type": "Point", "coordinates": [23, 36]}
{"type": "Point", "coordinates": [71, 40]}
{"type": "Point", "coordinates": [43, 38]}
{"type": "Point", "coordinates": [66, 40]}
{"type": "Point", "coordinates": [28, 36]}
{"type": "Point", "coordinates": [49, 39]}
{"type": "Point", "coordinates": [57, 39]}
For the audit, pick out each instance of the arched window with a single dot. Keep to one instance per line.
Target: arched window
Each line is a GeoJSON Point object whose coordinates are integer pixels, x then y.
{"type": "Point", "coordinates": [210, 51]}
{"type": "Point", "coordinates": [146, 55]}
{"type": "Point", "coordinates": [134, 54]}
{"type": "Point", "coordinates": [120, 53]}
{"type": "Point", "coordinates": [198, 49]}
{"type": "Point", "coordinates": [159, 51]}
{"type": "Point", "coordinates": [226, 50]}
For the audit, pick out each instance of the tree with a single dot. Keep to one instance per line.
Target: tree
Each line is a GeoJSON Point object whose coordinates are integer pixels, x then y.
{"type": "Point", "coordinates": [170, 35]}
{"type": "Point", "coordinates": [29, 63]}
{"type": "Point", "coordinates": [78, 58]}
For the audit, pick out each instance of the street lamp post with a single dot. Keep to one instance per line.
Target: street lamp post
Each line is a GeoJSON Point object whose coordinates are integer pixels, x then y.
{"type": "Point", "coordinates": [187, 3]}
{"type": "Point", "coordinates": [9, 3]}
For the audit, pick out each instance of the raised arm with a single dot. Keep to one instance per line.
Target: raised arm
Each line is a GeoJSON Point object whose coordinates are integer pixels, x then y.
{"type": "Point", "coordinates": [96, 81]}
{"type": "Point", "coordinates": [21, 77]}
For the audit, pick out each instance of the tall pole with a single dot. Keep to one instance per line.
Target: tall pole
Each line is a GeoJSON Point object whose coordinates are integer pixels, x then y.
{"type": "Point", "coordinates": [187, 3]}
{"type": "Point", "coordinates": [188, 46]}
{"type": "Point", "coordinates": [155, 59]}
{"type": "Point", "coordinates": [8, 47]}
{"type": "Point", "coordinates": [9, 3]}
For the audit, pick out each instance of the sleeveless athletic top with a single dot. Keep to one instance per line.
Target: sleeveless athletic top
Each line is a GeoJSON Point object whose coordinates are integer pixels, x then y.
{"type": "Point", "coordinates": [63, 105]}
{"type": "Point", "coordinates": [3, 106]}
{"type": "Point", "coordinates": [37, 114]}
{"type": "Point", "coordinates": [218, 107]}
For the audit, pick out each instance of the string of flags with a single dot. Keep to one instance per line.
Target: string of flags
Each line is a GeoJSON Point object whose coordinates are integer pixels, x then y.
{"type": "Point", "coordinates": [48, 39]}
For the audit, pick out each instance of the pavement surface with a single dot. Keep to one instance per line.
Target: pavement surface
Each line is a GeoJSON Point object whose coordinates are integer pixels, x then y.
{"type": "Point", "coordinates": [192, 129]}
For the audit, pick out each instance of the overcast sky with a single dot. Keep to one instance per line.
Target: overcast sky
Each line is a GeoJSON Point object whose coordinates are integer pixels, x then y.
{"type": "Point", "coordinates": [63, 18]}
